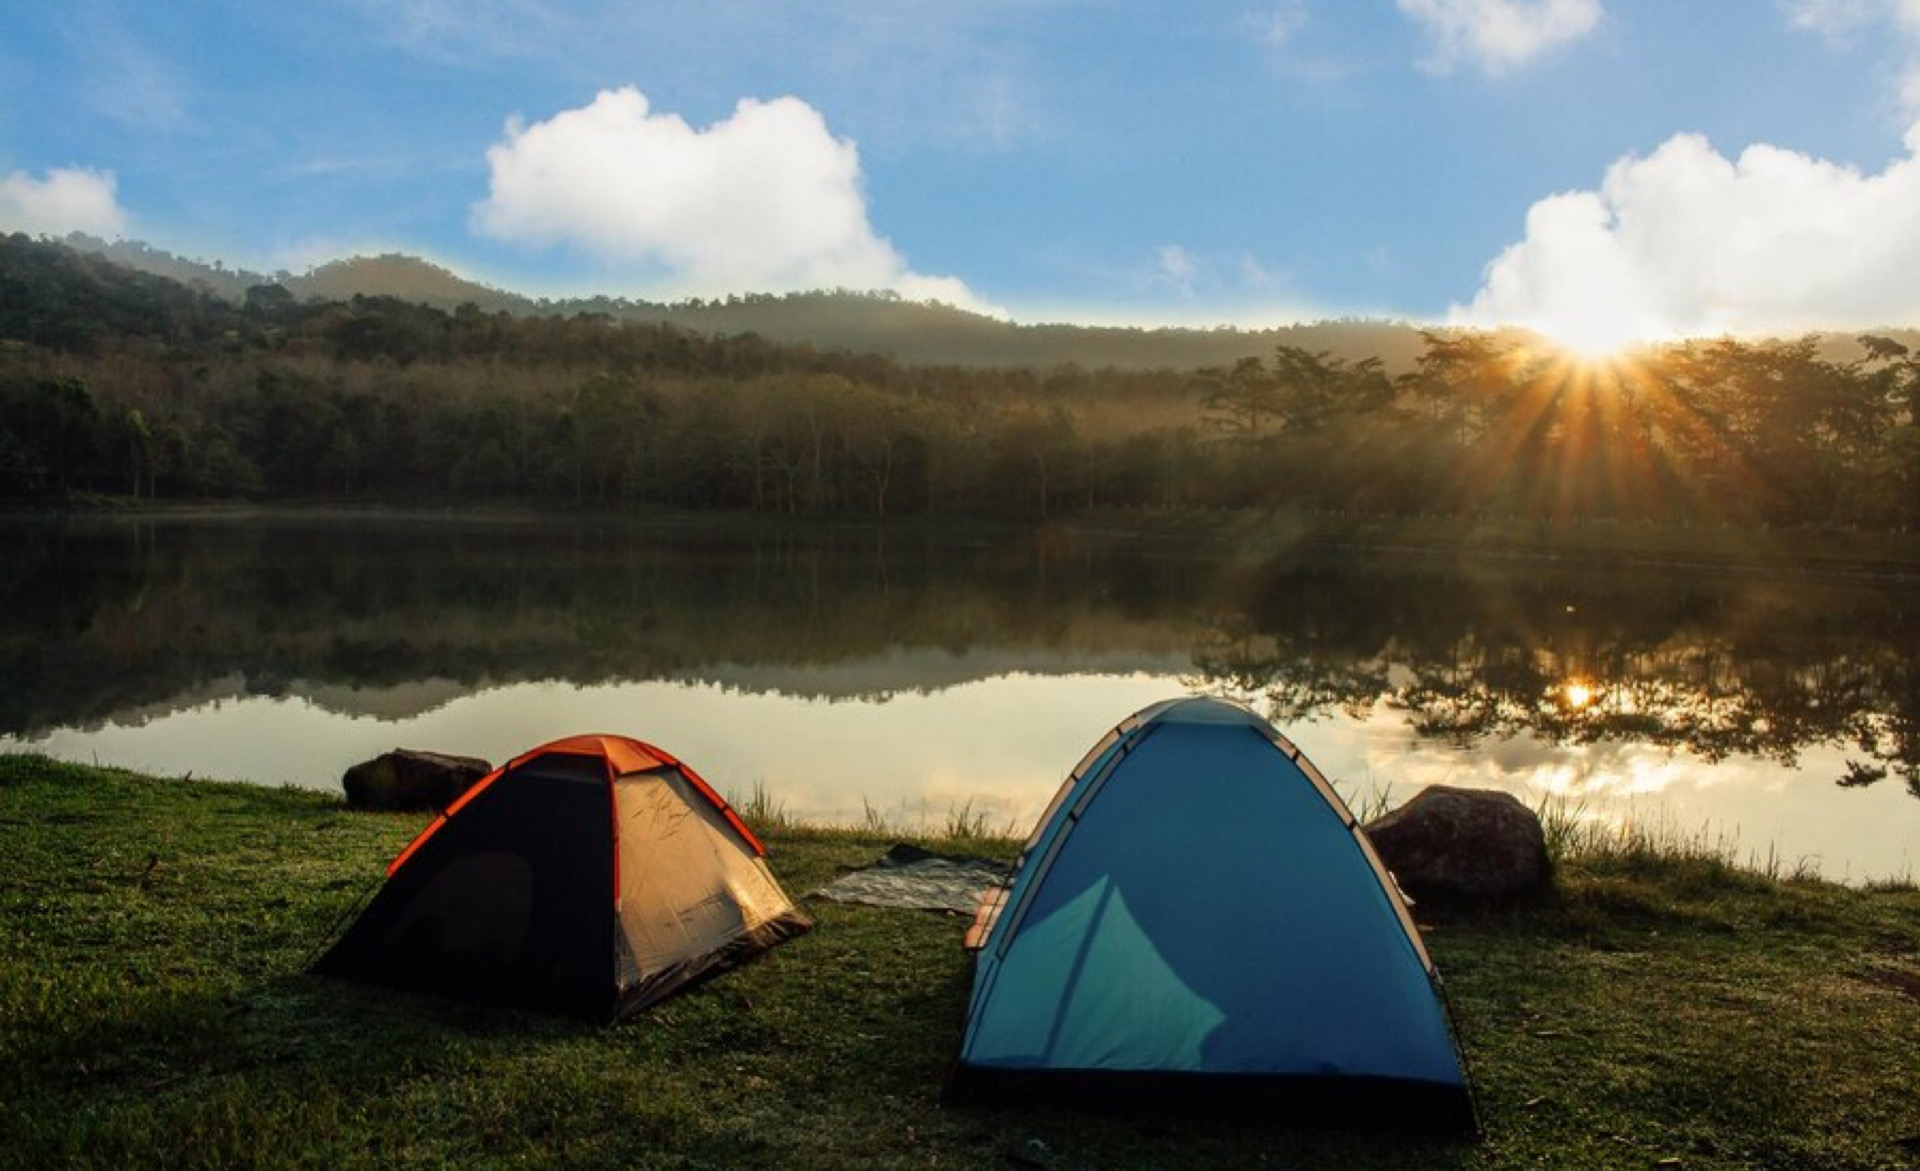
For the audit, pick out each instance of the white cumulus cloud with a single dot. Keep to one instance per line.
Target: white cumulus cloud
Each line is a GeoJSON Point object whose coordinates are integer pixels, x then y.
{"type": "Point", "coordinates": [1687, 242]}
{"type": "Point", "coordinates": [766, 200]}
{"type": "Point", "coordinates": [1498, 35]}
{"type": "Point", "coordinates": [67, 200]}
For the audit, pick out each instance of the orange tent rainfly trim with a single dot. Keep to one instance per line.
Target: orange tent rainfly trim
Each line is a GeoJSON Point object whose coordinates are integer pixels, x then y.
{"type": "Point", "coordinates": [725, 809]}
{"type": "Point", "coordinates": [474, 790]}
{"type": "Point", "coordinates": [459, 803]}
{"type": "Point", "coordinates": [613, 820]}
{"type": "Point", "coordinates": [708, 791]}
{"type": "Point", "coordinates": [421, 840]}
{"type": "Point", "coordinates": [623, 756]}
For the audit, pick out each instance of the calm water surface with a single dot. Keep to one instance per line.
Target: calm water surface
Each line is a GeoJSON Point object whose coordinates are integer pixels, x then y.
{"type": "Point", "coordinates": [847, 671]}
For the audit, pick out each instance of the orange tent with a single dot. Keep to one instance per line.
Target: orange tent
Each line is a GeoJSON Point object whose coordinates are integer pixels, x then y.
{"type": "Point", "coordinates": [591, 876]}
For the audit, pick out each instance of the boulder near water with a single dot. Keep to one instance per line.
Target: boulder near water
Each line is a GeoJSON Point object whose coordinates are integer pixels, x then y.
{"type": "Point", "coordinates": [1462, 843]}
{"type": "Point", "coordinates": [409, 779]}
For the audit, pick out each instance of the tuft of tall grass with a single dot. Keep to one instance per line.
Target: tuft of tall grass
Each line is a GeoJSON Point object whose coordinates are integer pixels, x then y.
{"type": "Point", "coordinates": [761, 810]}
{"type": "Point", "coordinates": [1568, 829]}
{"type": "Point", "coordinates": [1895, 885]}
{"type": "Point", "coordinates": [1577, 834]}
{"type": "Point", "coordinates": [1369, 806]}
{"type": "Point", "coordinates": [964, 823]}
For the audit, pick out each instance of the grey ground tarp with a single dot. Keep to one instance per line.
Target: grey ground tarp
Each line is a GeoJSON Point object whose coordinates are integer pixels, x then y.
{"type": "Point", "coordinates": [912, 879]}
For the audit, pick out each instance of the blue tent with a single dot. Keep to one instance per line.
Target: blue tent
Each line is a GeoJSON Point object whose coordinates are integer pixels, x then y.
{"type": "Point", "coordinates": [1198, 912]}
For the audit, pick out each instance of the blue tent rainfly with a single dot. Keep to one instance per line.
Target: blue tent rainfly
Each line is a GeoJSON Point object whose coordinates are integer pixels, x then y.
{"type": "Point", "coordinates": [1198, 914]}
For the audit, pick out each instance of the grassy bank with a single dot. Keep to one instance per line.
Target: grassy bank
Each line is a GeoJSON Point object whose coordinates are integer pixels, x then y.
{"type": "Point", "coordinates": [1652, 1011]}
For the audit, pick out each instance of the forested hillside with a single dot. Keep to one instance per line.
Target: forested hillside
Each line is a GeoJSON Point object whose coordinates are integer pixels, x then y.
{"type": "Point", "coordinates": [124, 383]}
{"type": "Point", "coordinates": [864, 322]}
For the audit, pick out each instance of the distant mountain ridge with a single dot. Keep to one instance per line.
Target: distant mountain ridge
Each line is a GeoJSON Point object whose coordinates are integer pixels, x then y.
{"type": "Point", "coordinates": [918, 333]}
{"type": "Point", "coordinates": [405, 277]}
{"type": "Point", "coordinates": [391, 275]}
{"type": "Point", "coordinates": [860, 322]}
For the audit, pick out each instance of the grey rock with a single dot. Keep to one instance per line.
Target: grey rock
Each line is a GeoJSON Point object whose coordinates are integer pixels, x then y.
{"type": "Point", "coordinates": [409, 779]}
{"type": "Point", "coordinates": [1462, 843]}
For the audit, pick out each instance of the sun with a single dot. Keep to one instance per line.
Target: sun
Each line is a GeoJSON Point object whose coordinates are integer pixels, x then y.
{"type": "Point", "coordinates": [1596, 339]}
{"type": "Point", "coordinates": [1598, 328]}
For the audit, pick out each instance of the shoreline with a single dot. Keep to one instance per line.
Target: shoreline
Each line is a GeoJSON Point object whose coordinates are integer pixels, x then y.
{"type": "Point", "coordinates": [1580, 831]}
{"type": "Point", "coordinates": [1644, 1010]}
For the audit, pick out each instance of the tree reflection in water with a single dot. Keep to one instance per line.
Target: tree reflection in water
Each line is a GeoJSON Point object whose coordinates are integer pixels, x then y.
{"type": "Point", "coordinates": [108, 620]}
{"type": "Point", "coordinates": [1712, 664]}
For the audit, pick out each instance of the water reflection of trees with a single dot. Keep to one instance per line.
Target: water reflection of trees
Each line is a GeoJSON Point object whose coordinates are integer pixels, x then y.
{"type": "Point", "coordinates": [1714, 667]}
{"type": "Point", "coordinates": [108, 621]}
{"type": "Point", "coordinates": [105, 621]}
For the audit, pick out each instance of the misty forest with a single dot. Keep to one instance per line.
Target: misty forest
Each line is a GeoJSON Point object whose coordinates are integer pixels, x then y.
{"type": "Point", "coordinates": [124, 384]}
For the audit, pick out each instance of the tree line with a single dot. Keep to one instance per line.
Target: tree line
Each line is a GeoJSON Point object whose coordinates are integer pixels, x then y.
{"type": "Point", "coordinates": [115, 383]}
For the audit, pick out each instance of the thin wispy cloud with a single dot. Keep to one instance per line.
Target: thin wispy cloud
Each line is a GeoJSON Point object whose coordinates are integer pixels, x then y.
{"type": "Point", "coordinates": [1279, 23]}
{"type": "Point", "coordinates": [128, 81]}
{"type": "Point", "coordinates": [1220, 279]}
{"type": "Point", "coordinates": [1837, 17]}
{"type": "Point", "coordinates": [1297, 45]}
{"type": "Point", "coordinates": [65, 200]}
{"type": "Point", "coordinates": [1253, 274]}
{"type": "Point", "coordinates": [1497, 36]}
{"type": "Point", "coordinates": [914, 70]}
{"type": "Point", "coordinates": [998, 114]}
{"type": "Point", "coordinates": [467, 31]}
{"type": "Point", "coordinates": [1686, 241]}
{"type": "Point", "coordinates": [922, 71]}
{"type": "Point", "coordinates": [1175, 268]}
{"type": "Point", "coordinates": [765, 200]}
{"type": "Point", "coordinates": [1844, 20]}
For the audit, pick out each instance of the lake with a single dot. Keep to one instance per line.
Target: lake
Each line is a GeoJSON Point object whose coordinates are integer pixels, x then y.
{"type": "Point", "coordinates": [914, 674]}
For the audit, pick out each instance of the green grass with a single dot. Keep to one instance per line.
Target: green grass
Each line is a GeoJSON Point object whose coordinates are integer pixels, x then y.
{"type": "Point", "coordinates": [960, 828]}
{"type": "Point", "coordinates": [153, 1012]}
{"type": "Point", "coordinates": [1666, 847]}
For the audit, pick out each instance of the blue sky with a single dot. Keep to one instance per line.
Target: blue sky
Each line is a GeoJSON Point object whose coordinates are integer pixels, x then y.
{"type": "Point", "coordinates": [1618, 167]}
